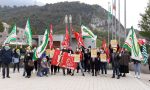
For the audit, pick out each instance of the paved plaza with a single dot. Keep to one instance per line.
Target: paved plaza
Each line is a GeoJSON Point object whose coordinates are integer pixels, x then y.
{"type": "Point", "coordinates": [76, 82]}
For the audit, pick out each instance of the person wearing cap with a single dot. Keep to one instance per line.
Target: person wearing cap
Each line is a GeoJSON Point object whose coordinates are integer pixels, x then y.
{"type": "Point", "coordinates": [6, 54]}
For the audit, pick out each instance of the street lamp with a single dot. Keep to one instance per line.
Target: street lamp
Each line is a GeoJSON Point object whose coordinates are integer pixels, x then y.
{"type": "Point", "coordinates": [70, 21]}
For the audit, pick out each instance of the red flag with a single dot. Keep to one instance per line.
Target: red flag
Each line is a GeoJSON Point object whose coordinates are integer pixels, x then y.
{"type": "Point", "coordinates": [105, 48]}
{"type": "Point", "coordinates": [55, 60]}
{"type": "Point", "coordinates": [67, 61]}
{"type": "Point", "coordinates": [114, 5]}
{"type": "Point", "coordinates": [51, 37]}
{"type": "Point", "coordinates": [79, 39]}
{"type": "Point", "coordinates": [66, 40]}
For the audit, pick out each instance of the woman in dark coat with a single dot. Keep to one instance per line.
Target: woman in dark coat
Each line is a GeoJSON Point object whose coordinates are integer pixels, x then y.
{"type": "Point", "coordinates": [29, 64]}
{"type": "Point", "coordinates": [124, 63]}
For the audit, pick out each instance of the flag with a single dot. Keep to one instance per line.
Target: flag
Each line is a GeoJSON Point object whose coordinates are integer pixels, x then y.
{"type": "Point", "coordinates": [132, 45]}
{"type": "Point", "coordinates": [67, 61]}
{"type": "Point", "coordinates": [106, 49]}
{"type": "Point", "coordinates": [87, 33]}
{"type": "Point", "coordinates": [40, 50]}
{"type": "Point", "coordinates": [51, 37]}
{"type": "Point", "coordinates": [144, 53]}
{"type": "Point", "coordinates": [11, 36]}
{"type": "Point", "coordinates": [66, 39]}
{"type": "Point", "coordinates": [109, 12]}
{"type": "Point", "coordinates": [114, 5]}
{"type": "Point", "coordinates": [79, 39]}
{"type": "Point", "coordinates": [55, 60]}
{"type": "Point", "coordinates": [28, 33]}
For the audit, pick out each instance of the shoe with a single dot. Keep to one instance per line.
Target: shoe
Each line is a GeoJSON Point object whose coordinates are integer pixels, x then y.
{"type": "Point", "coordinates": [95, 74]}
{"type": "Point", "coordinates": [149, 80]}
{"type": "Point", "coordinates": [92, 74]}
{"type": "Point", "coordinates": [124, 75]}
{"type": "Point", "coordinates": [8, 76]}
{"type": "Point", "coordinates": [138, 77]}
{"type": "Point", "coordinates": [3, 77]}
{"type": "Point", "coordinates": [118, 77]}
{"type": "Point", "coordinates": [72, 74]}
{"type": "Point", "coordinates": [135, 76]}
{"type": "Point", "coordinates": [113, 76]}
{"type": "Point", "coordinates": [83, 75]}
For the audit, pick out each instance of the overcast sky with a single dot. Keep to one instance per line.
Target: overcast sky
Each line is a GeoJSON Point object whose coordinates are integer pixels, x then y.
{"type": "Point", "coordinates": [134, 7]}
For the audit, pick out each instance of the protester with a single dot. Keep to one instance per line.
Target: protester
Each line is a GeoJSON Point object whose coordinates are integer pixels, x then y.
{"type": "Point", "coordinates": [85, 60]}
{"type": "Point", "coordinates": [29, 64]}
{"type": "Point", "coordinates": [95, 64]}
{"type": "Point", "coordinates": [6, 54]}
{"type": "Point", "coordinates": [137, 68]}
{"type": "Point", "coordinates": [124, 63]}
{"type": "Point", "coordinates": [115, 63]}
{"type": "Point", "coordinates": [79, 51]}
{"type": "Point", "coordinates": [44, 66]}
{"type": "Point", "coordinates": [64, 50]}
{"type": "Point", "coordinates": [0, 59]}
{"type": "Point", "coordinates": [16, 59]}
{"type": "Point", "coordinates": [103, 64]}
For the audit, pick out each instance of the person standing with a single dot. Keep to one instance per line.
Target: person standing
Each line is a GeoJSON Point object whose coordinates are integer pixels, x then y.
{"type": "Point", "coordinates": [0, 59]}
{"type": "Point", "coordinates": [103, 63]}
{"type": "Point", "coordinates": [137, 68]}
{"type": "Point", "coordinates": [6, 59]}
{"type": "Point", "coordinates": [16, 59]}
{"type": "Point", "coordinates": [29, 64]}
{"type": "Point", "coordinates": [95, 64]}
{"type": "Point", "coordinates": [124, 63]}
{"type": "Point", "coordinates": [115, 63]}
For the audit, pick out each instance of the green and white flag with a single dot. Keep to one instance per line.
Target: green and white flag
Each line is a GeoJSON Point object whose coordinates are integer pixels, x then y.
{"type": "Point", "coordinates": [39, 51]}
{"type": "Point", "coordinates": [11, 36]}
{"type": "Point", "coordinates": [87, 33]}
{"type": "Point", "coordinates": [28, 33]}
{"type": "Point", "coordinates": [132, 45]}
{"type": "Point", "coordinates": [145, 54]}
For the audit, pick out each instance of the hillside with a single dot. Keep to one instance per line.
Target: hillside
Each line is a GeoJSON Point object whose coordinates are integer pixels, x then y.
{"type": "Point", "coordinates": [42, 16]}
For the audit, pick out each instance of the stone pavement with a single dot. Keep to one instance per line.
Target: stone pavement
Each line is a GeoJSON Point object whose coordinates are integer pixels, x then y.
{"type": "Point", "coordinates": [76, 82]}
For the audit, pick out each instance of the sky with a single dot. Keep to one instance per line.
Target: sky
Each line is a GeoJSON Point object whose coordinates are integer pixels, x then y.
{"type": "Point", "coordinates": [133, 8]}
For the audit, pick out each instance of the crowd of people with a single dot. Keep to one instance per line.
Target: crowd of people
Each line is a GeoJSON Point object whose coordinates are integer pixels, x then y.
{"type": "Point", "coordinates": [119, 59]}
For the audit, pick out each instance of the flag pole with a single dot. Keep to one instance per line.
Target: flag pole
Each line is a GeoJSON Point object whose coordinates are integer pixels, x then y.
{"type": "Point", "coordinates": [112, 22]}
{"type": "Point", "coordinates": [115, 21]}
{"type": "Point", "coordinates": [125, 19]}
{"type": "Point", "coordinates": [119, 20]}
{"type": "Point", "coordinates": [108, 21]}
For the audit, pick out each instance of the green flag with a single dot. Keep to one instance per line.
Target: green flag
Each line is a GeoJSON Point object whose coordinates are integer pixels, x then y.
{"type": "Point", "coordinates": [28, 33]}
{"type": "Point", "coordinates": [39, 51]}
{"type": "Point", "coordinates": [132, 45]}
{"type": "Point", "coordinates": [11, 36]}
{"type": "Point", "coordinates": [87, 33]}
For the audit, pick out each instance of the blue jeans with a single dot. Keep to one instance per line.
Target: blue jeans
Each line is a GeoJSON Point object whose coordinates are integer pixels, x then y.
{"type": "Point", "coordinates": [137, 68]}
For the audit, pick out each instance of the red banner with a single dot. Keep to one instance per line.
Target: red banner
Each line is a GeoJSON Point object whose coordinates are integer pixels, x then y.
{"type": "Point", "coordinates": [67, 61]}
{"type": "Point", "coordinates": [55, 60]}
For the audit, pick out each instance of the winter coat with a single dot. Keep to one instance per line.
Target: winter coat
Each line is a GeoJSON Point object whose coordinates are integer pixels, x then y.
{"type": "Point", "coordinates": [124, 59]}
{"type": "Point", "coordinates": [6, 56]}
{"type": "Point", "coordinates": [115, 59]}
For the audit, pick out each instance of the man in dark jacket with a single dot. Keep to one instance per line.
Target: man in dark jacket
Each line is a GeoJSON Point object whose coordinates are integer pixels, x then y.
{"type": "Point", "coordinates": [6, 59]}
{"type": "Point", "coordinates": [115, 63]}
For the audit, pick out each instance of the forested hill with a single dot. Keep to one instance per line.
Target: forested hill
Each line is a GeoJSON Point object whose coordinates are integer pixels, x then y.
{"type": "Point", "coordinates": [42, 16]}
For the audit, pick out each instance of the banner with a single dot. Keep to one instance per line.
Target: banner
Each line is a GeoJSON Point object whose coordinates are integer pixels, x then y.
{"type": "Point", "coordinates": [55, 58]}
{"type": "Point", "coordinates": [103, 57]}
{"type": "Point", "coordinates": [76, 57]}
{"type": "Point", "coordinates": [67, 61]}
{"type": "Point", "coordinates": [113, 43]}
{"type": "Point", "coordinates": [94, 52]}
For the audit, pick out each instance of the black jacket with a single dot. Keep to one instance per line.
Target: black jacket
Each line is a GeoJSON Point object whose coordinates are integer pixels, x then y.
{"type": "Point", "coordinates": [6, 56]}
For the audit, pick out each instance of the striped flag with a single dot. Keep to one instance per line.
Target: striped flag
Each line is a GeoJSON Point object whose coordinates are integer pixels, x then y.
{"type": "Point", "coordinates": [28, 33]}
{"type": "Point", "coordinates": [132, 45]}
{"type": "Point", "coordinates": [144, 53]}
{"type": "Point", "coordinates": [87, 33]}
{"type": "Point", "coordinates": [40, 50]}
{"type": "Point", "coordinates": [11, 36]}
